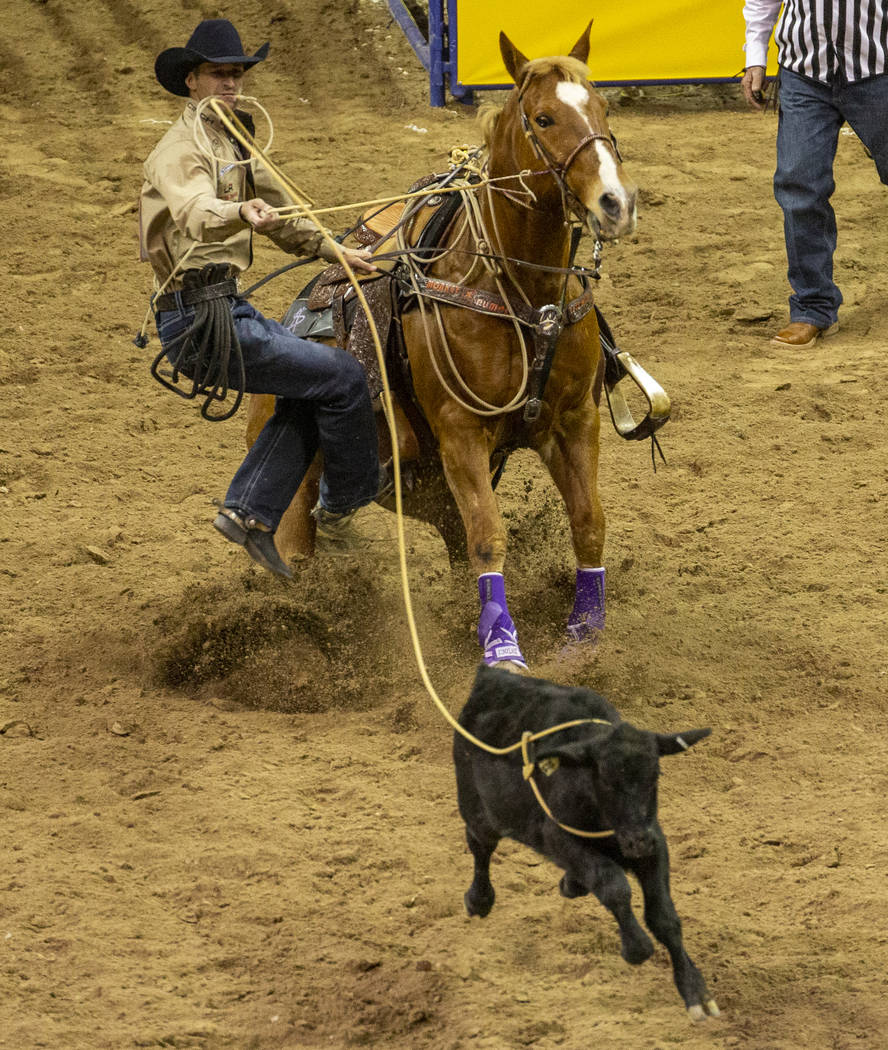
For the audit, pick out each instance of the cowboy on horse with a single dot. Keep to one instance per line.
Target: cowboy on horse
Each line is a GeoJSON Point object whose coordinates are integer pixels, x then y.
{"type": "Point", "coordinates": [202, 200]}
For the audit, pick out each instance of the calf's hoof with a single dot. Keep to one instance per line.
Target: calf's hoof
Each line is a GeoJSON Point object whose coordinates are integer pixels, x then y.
{"type": "Point", "coordinates": [478, 905]}
{"type": "Point", "coordinates": [698, 1013]}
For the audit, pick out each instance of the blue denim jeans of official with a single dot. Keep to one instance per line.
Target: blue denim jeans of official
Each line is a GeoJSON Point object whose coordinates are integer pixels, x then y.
{"type": "Point", "coordinates": [323, 402]}
{"type": "Point", "coordinates": [811, 115]}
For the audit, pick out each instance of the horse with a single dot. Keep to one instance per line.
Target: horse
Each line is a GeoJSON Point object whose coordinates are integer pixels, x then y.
{"type": "Point", "coordinates": [525, 368]}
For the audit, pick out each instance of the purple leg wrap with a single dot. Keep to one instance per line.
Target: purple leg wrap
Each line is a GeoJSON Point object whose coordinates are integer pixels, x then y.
{"type": "Point", "coordinates": [586, 621]}
{"type": "Point", "coordinates": [496, 632]}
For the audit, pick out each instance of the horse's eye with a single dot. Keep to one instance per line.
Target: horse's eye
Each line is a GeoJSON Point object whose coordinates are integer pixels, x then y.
{"type": "Point", "coordinates": [544, 121]}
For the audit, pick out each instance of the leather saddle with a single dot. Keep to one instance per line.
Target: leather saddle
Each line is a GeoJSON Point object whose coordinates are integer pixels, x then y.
{"type": "Point", "coordinates": [328, 306]}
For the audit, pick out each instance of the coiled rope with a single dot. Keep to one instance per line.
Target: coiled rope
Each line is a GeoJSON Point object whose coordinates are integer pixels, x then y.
{"type": "Point", "coordinates": [206, 349]}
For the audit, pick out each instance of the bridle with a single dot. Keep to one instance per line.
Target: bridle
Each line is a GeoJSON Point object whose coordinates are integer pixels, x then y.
{"type": "Point", "coordinates": [558, 169]}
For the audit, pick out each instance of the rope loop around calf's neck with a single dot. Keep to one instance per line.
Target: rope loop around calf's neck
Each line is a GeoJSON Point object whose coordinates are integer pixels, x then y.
{"type": "Point", "coordinates": [530, 767]}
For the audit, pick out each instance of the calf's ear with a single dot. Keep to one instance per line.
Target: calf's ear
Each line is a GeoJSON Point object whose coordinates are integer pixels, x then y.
{"type": "Point", "coordinates": [675, 743]}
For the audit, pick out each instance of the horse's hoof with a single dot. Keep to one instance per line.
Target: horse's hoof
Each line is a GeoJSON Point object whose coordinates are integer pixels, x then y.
{"type": "Point", "coordinates": [510, 665]}
{"type": "Point", "coordinates": [496, 631]}
{"type": "Point", "coordinates": [579, 651]}
{"type": "Point", "coordinates": [584, 634]}
{"type": "Point", "coordinates": [503, 651]}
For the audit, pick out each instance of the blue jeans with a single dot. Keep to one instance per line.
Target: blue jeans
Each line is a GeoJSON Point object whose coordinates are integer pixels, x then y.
{"type": "Point", "coordinates": [811, 114]}
{"type": "Point", "coordinates": [323, 402]}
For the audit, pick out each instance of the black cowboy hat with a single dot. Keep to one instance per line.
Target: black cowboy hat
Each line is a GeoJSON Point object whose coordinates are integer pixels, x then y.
{"type": "Point", "coordinates": [215, 40]}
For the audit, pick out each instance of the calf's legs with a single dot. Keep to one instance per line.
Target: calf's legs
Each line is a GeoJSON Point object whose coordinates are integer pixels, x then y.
{"type": "Point", "coordinates": [588, 872]}
{"type": "Point", "coordinates": [662, 920]}
{"type": "Point", "coordinates": [597, 874]}
{"type": "Point", "coordinates": [480, 895]}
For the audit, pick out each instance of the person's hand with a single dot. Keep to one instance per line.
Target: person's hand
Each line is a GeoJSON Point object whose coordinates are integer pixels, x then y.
{"type": "Point", "coordinates": [753, 85]}
{"type": "Point", "coordinates": [359, 259]}
{"type": "Point", "coordinates": [260, 216]}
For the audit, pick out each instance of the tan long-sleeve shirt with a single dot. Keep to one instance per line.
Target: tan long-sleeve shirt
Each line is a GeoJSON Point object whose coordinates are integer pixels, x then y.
{"type": "Point", "coordinates": [190, 200]}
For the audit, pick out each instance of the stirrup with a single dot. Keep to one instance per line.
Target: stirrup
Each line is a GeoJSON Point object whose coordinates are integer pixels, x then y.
{"type": "Point", "coordinates": [617, 365]}
{"type": "Point", "coordinates": [617, 368]}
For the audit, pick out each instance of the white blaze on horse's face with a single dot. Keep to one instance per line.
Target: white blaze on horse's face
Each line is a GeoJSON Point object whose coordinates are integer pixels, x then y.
{"type": "Point", "coordinates": [610, 199]}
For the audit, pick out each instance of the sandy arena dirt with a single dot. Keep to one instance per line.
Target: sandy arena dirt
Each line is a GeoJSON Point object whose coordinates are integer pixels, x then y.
{"type": "Point", "coordinates": [227, 803]}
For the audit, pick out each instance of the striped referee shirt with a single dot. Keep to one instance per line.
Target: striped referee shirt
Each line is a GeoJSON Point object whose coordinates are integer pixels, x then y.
{"type": "Point", "coordinates": [820, 38]}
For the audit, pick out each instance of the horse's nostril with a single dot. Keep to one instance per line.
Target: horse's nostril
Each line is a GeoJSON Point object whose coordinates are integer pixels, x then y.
{"type": "Point", "coordinates": [610, 205]}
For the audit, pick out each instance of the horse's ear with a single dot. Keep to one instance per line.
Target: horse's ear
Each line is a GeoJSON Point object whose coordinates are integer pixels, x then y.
{"type": "Point", "coordinates": [512, 57]}
{"type": "Point", "coordinates": [581, 47]}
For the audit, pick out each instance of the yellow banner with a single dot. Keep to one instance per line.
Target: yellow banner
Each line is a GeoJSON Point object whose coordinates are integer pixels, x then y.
{"type": "Point", "coordinates": [632, 40]}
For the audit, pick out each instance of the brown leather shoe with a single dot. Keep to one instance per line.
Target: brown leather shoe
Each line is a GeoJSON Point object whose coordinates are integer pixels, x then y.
{"type": "Point", "coordinates": [801, 336]}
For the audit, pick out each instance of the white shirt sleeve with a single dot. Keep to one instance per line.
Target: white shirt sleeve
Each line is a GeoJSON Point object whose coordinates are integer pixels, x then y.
{"type": "Point", "coordinates": [760, 17]}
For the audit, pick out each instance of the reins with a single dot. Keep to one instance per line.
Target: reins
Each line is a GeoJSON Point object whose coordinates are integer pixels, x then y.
{"type": "Point", "coordinates": [418, 253]}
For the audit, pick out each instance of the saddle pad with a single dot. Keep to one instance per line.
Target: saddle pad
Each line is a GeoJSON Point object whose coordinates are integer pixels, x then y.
{"type": "Point", "coordinates": [354, 330]}
{"type": "Point", "coordinates": [331, 311]}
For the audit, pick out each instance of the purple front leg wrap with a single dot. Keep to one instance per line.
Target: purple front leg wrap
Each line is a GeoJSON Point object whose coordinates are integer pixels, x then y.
{"type": "Point", "coordinates": [496, 631]}
{"type": "Point", "coordinates": [586, 621]}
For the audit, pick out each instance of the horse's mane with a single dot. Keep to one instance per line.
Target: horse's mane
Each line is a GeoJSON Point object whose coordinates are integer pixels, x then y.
{"type": "Point", "coordinates": [488, 114]}
{"type": "Point", "coordinates": [570, 69]}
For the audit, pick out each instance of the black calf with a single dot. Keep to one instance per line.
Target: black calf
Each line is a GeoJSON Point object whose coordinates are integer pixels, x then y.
{"type": "Point", "coordinates": [605, 780]}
